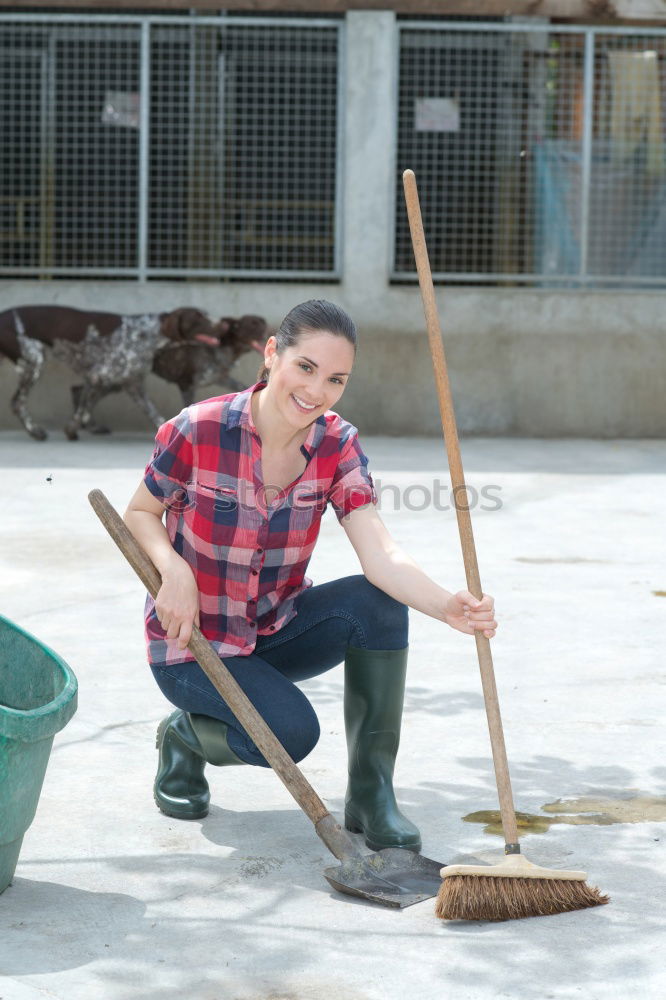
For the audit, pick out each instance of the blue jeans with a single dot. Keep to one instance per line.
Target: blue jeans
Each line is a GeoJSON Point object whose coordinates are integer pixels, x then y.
{"type": "Point", "coordinates": [330, 617]}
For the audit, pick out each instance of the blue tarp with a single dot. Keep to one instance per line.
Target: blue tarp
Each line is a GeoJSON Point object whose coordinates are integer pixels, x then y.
{"type": "Point", "coordinates": [627, 213]}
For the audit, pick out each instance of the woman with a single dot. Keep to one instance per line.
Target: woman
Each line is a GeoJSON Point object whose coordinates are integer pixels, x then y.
{"type": "Point", "coordinates": [245, 479]}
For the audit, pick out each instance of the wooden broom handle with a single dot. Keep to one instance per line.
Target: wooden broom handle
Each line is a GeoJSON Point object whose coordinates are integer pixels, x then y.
{"type": "Point", "coordinates": [461, 501]}
{"type": "Point", "coordinates": [335, 838]}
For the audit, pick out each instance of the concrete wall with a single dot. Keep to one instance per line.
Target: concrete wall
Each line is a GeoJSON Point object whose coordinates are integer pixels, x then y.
{"type": "Point", "coordinates": [522, 361]}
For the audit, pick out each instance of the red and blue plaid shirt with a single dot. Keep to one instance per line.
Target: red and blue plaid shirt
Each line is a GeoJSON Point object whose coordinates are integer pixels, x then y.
{"type": "Point", "coordinates": [249, 557]}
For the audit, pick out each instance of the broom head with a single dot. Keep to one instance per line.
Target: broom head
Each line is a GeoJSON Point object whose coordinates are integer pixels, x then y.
{"type": "Point", "coordinates": [512, 889]}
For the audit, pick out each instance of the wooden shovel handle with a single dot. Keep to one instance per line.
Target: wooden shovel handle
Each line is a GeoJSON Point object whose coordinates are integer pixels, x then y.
{"type": "Point", "coordinates": [461, 500]}
{"type": "Point", "coordinates": [331, 833]}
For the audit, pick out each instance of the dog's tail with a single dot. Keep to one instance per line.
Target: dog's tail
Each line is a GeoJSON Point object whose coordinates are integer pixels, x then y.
{"type": "Point", "coordinates": [11, 333]}
{"type": "Point", "coordinates": [18, 324]}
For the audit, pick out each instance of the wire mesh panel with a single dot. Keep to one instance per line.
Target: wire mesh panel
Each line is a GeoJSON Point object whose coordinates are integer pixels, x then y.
{"type": "Point", "coordinates": [540, 153]}
{"type": "Point", "coordinates": [628, 171]}
{"type": "Point", "coordinates": [24, 179]}
{"type": "Point", "coordinates": [229, 166]}
{"type": "Point", "coordinates": [557, 157]}
{"type": "Point", "coordinates": [186, 153]}
{"type": "Point", "coordinates": [448, 134]}
{"type": "Point", "coordinates": [280, 169]}
{"type": "Point", "coordinates": [94, 114]}
{"type": "Point", "coordinates": [244, 148]}
{"type": "Point", "coordinates": [68, 119]}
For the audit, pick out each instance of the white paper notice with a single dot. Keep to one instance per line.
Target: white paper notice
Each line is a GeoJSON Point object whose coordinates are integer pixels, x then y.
{"type": "Point", "coordinates": [121, 109]}
{"type": "Point", "coordinates": [436, 114]}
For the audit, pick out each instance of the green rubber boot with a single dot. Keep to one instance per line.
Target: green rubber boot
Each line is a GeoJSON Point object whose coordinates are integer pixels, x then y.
{"type": "Point", "coordinates": [374, 694]}
{"type": "Point", "coordinates": [186, 743]}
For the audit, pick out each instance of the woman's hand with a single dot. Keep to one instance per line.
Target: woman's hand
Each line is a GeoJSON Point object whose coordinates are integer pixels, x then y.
{"type": "Point", "coordinates": [177, 603]}
{"type": "Point", "coordinates": [463, 612]}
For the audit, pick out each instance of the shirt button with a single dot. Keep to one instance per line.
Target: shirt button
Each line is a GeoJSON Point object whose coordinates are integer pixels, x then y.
{"type": "Point", "coordinates": [252, 600]}
{"type": "Point", "coordinates": [254, 572]}
{"type": "Point", "coordinates": [260, 550]}
{"type": "Point", "coordinates": [272, 628]}
{"type": "Point", "coordinates": [253, 624]}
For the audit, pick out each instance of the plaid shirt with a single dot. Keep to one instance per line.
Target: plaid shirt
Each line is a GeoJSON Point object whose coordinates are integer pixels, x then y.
{"type": "Point", "coordinates": [249, 558]}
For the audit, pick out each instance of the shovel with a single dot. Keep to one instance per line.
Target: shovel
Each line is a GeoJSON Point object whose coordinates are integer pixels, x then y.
{"type": "Point", "coordinates": [393, 876]}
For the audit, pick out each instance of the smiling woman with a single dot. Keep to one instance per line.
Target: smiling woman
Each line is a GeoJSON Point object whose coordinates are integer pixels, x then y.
{"type": "Point", "coordinates": [307, 365]}
{"type": "Point", "coordinates": [245, 479]}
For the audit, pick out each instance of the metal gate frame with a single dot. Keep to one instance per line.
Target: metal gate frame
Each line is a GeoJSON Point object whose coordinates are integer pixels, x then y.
{"type": "Point", "coordinates": [142, 271]}
{"type": "Point", "coordinates": [589, 33]}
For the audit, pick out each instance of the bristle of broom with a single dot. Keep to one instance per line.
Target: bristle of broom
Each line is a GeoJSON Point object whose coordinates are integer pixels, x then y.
{"type": "Point", "coordinates": [482, 897]}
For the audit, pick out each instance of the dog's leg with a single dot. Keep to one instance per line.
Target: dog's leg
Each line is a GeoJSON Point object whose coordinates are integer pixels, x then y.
{"type": "Point", "coordinates": [88, 397]}
{"type": "Point", "coordinates": [29, 369]}
{"type": "Point", "coordinates": [136, 390]}
{"type": "Point", "coordinates": [90, 425]}
{"type": "Point", "coordinates": [187, 394]}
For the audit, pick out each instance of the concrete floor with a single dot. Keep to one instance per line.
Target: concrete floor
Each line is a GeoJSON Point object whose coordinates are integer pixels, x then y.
{"type": "Point", "coordinates": [113, 900]}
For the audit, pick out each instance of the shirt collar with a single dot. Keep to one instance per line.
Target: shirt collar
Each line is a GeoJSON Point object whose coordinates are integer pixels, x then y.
{"type": "Point", "coordinates": [240, 415]}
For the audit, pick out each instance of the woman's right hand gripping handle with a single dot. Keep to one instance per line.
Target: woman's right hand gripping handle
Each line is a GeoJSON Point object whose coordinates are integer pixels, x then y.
{"type": "Point", "coordinates": [177, 601]}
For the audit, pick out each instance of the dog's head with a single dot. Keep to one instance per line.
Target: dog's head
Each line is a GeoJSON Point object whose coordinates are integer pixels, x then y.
{"type": "Point", "coordinates": [185, 324]}
{"type": "Point", "coordinates": [249, 333]}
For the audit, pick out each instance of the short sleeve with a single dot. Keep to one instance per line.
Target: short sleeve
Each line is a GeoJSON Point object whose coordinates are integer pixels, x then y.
{"type": "Point", "coordinates": [352, 485]}
{"type": "Point", "coordinates": [170, 466]}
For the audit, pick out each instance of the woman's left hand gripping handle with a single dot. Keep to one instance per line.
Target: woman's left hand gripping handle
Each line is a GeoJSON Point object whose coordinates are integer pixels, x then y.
{"type": "Point", "coordinates": [467, 614]}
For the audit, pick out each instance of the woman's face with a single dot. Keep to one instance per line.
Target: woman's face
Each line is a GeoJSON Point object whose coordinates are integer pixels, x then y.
{"type": "Point", "coordinates": [308, 378]}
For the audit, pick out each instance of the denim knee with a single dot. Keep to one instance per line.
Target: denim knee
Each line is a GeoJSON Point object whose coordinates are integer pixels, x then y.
{"type": "Point", "coordinates": [385, 621]}
{"type": "Point", "coordinates": [302, 737]}
{"type": "Point", "coordinates": [299, 737]}
{"type": "Point", "coordinates": [285, 708]}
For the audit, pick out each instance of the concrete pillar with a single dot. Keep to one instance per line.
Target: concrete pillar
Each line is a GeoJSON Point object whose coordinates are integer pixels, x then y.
{"type": "Point", "coordinates": [370, 69]}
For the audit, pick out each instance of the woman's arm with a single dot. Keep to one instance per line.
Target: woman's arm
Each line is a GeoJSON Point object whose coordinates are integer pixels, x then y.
{"type": "Point", "coordinates": [177, 603]}
{"type": "Point", "coordinates": [389, 567]}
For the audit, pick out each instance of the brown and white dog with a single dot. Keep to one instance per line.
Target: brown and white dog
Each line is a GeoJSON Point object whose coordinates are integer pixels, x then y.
{"type": "Point", "coordinates": [108, 350]}
{"type": "Point", "coordinates": [193, 366]}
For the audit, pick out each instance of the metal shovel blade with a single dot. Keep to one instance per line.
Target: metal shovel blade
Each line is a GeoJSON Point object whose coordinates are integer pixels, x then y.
{"type": "Point", "coordinates": [392, 877]}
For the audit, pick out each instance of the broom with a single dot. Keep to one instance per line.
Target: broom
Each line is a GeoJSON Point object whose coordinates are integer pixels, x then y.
{"type": "Point", "coordinates": [515, 887]}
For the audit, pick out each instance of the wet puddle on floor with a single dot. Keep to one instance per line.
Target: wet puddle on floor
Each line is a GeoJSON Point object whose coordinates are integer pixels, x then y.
{"type": "Point", "coordinates": [587, 811]}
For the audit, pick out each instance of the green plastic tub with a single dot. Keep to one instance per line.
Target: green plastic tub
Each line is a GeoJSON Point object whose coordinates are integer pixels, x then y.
{"type": "Point", "coordinates": [37, 700]}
